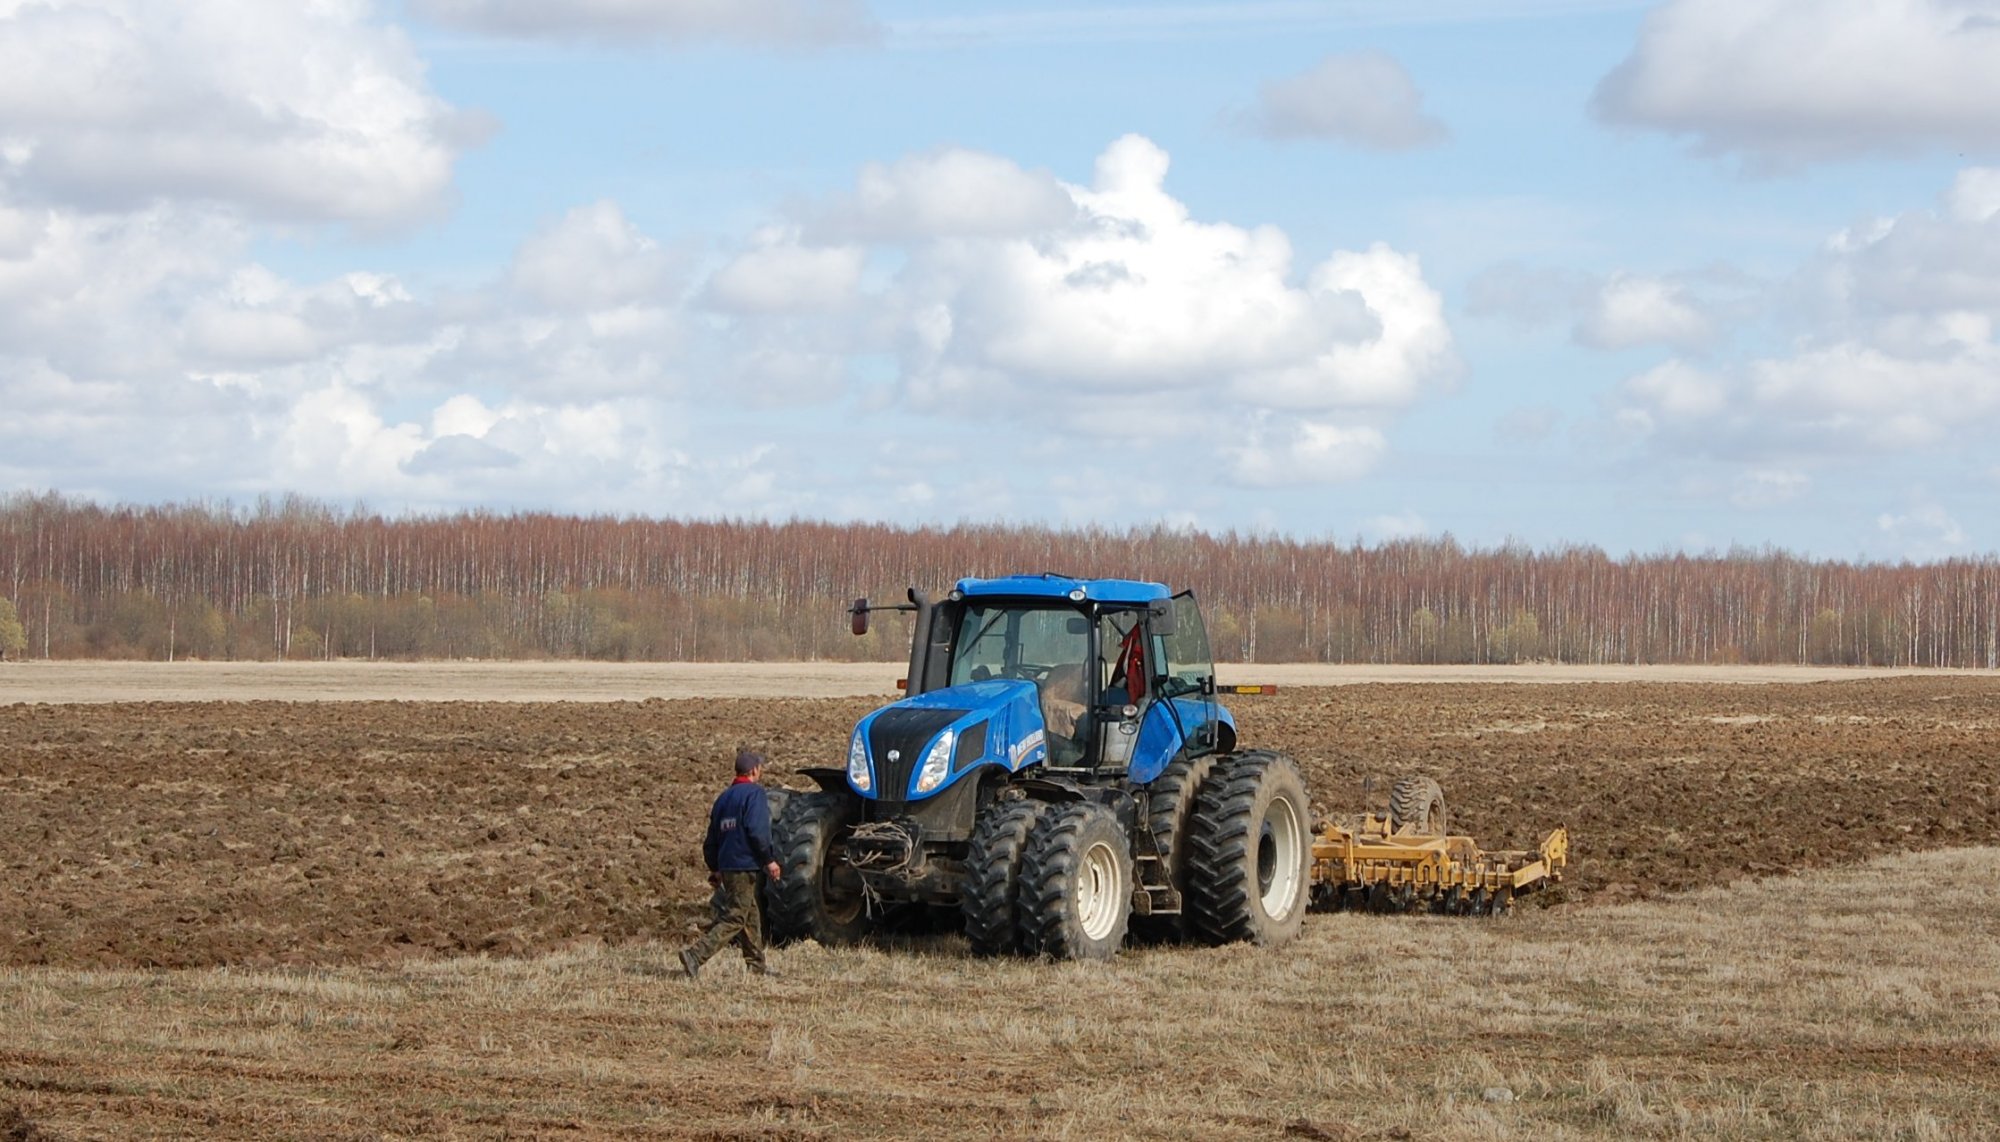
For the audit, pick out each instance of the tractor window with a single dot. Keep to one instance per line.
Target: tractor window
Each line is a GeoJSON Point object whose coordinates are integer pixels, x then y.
{"type": "Point", "coordinates": [1017, 642]}
{"type": "Point", "coordinates": [1187, 658]}
{"type": "Point", "coordinates": [1112, 631]}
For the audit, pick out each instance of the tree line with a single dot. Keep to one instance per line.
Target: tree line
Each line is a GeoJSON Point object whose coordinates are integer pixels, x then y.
{"type": "Point", "coordinates": [297, 578]}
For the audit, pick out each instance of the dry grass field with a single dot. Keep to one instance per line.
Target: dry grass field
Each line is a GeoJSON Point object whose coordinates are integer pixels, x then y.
{"type": "Point", "coordinates": [445, 919]}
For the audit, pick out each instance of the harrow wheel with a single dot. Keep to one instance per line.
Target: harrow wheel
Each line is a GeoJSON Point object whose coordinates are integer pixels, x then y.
{"type": "Point", "coordinates": [1416, 805]}
{"type": "Point", "coordinates": [1248, 870]}
{"type": "Point", "coordinates": [1076, 884]}
{"type": "Point", "coordinates": [991, 900]}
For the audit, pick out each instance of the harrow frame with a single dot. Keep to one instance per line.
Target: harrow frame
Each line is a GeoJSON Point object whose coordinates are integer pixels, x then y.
{"type": "Point", "coordinates": [1371, 864]}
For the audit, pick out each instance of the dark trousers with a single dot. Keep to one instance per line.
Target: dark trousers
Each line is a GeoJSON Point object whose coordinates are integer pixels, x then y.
{"type": "Point", "coordinates": [736, 921]}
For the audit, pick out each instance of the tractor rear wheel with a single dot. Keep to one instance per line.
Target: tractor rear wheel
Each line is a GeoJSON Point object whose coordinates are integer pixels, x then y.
{"type": "Point", "coordinates": [1250, 864]}
{"type": "Point", "coordinates": [1417, 804]}
{"type": "Point", "coordinates": [1076, 884]}
{"type": "Point", "coordinates": [1171, 801]}
{"type": "Point", "coordinates": [819, 896]}
{"type": "Point", "coordinates": [992, 894]}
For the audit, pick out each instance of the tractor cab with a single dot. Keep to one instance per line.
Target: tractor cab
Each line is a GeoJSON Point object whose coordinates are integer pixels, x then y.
{"type": "Point", "coordinates": [1120, 671]}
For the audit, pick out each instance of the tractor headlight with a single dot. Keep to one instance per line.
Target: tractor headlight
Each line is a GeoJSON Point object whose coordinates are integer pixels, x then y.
{"type": "Point", "coordinates": [937, 763]}
{"type": "Point", "coordinates": [859, 773]}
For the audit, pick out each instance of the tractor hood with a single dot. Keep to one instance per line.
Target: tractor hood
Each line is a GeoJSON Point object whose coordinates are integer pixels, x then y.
{"type": "Point", "coordinates": [917, 748]}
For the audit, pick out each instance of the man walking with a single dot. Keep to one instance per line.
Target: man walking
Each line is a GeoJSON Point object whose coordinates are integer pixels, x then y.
{"type": "Point", "coordinates": [738, 851]}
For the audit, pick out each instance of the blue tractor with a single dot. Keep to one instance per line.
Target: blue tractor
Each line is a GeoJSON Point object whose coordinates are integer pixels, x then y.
{"type": "Point", "coordinates": [1060, 776]}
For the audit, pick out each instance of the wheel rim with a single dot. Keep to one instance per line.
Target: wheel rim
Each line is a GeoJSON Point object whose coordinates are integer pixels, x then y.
{"type": "Point", "coordinates": [1097, 891]}
{"type": "Point", "coordinates": [1279, 853]}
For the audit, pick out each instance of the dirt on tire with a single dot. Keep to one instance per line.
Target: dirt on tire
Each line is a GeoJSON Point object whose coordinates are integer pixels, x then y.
{"type": "Point", "coordinates": [192, 834]}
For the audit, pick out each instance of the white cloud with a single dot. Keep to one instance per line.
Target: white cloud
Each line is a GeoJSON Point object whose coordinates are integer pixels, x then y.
{"type": "Point", "coordinates": [1784, 82]}
{"type": "Point", "coordinates": [780, 275]}
{"type": "Point", "coordinates": [1407, 344]}
{"type": "Point", "coordinates": [1897, 354]}
{"type": "Point", "coordinates": [1139, 296]}
{"type": "Point", "coordinates": [779, 22]}
{"type": "Point", "coordinates": [593, 258]}
{"type": "Point", "coordinates": [1975, 194]}
{"type": "Point", "coordinates": [1677, 393]}
{"type": "Point", "coordinates": [1843, 402]}
{"type": "Point", "coordinates": [1365, 98]}
{"type": "Point", "coordinates": [297, 112]}
{"type": "Point", "coordinates": [1926, 531]}
{"type": "Point", "coordinates": [1769, 487]}
{"type": "Point", "coordinates": [773, 375]}
{"type": "Point", "coordinates": [949, 192]}
{"type": "Point", "coordinates": [1281, 451]}
{"type": "Point", "coordinates": [1633, 310]}
{"type": "Point", "coordinates": [1385, 528]}
{"type": "Point", "coordinates": [1622, 310]}
{"type": "Point", "coordinates": [151, 349]}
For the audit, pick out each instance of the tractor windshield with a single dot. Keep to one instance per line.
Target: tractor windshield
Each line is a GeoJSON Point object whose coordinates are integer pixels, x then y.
{"type": "Point", "coordinates": [999, 641]}
{"type": "Point", "coordinates": [1049, 646]}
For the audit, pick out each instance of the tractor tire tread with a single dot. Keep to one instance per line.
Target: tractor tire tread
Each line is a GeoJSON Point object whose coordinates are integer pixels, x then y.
{"type": "Point", "coordinates": [800, 837]}
{"type": "Point", "coordinates": [991, 898]}
{"type": "Point", "coordinates": [1223, 902]}
{"type": "Point", "coordinates": [1049, 869]}
{"type": "Point", "coordinates": [1171, 801]}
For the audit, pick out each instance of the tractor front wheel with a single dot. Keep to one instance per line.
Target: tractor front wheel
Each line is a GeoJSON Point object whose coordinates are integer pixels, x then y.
{"type": "Point", "coordinates": [819, 896]}
{"type": "Point", "coordinates": [992, 897]}
{"type": "Point", "coordinates": [1076, 884]}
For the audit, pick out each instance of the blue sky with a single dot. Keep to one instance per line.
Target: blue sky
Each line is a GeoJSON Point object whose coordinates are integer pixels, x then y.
{"type": "Point", "coordinates": [1647, 276]}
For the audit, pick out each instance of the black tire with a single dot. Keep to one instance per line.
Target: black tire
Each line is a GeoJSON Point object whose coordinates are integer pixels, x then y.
{"type": "Point", "coordinates": [776, 799]}
{"type": "Point", "coordinates": [819, 897]}
{"type": "Point", "coordinates": [1251, 859]}
{"type": "Point", "coordinates": [1417, 803]}
{"type": "Point", "coordinates": [993, 876]}
{"type": "Point", "coordinates": [1170, 806]}
{"type": "Point", "coordinates": [1076, 884]}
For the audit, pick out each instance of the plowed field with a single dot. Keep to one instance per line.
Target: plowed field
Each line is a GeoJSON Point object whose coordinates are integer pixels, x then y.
{"type": "Point", "coordinates": [189, 834]}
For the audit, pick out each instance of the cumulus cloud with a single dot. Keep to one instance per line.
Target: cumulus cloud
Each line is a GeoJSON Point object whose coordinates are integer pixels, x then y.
{"type": "Point", "coordinates": [1925, 531]}
{"type": "Point", "coordinates": [1769, 487]}
{"type": "Point", "coordinates": [287, 111]}
{"type": "Point", "coordinates": [779, 274]}
{"type": "Point", "coordinates": [1634, 310]}
{"type": "Point", "coordinates": [592, 258]}
{"type": "Point", "coordinates": [775, 22]}
{"type": "Point", "coordinates": [153, 348]}
{"type": "Point", "coordinates": [1366, 99]}
{"type": "Point", "coordinates": [1786, 82]}
{"type": "Point", "coordinates": [1621, 310]}
{"type": "Point", "coordinates": [1280, 451]}
{"type": "Point", "coordinates": [946, 193]}
{"type": "Point", "coordinates": [1897, 354]}
{"type": "Point", "coordinates": [1137, 295]}
{"type": "Point", "coordinates": [1386, 528]}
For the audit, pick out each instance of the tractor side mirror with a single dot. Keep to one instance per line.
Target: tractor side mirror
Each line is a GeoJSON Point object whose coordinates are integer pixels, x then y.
{"type": "Point", "coordinates": [1164, 617]}
{"type": "Point", "coordinates": [858, 616]}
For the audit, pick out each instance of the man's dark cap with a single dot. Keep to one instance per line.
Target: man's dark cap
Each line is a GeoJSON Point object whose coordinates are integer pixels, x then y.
{"type": "Point", "coordinates": [747, 761]}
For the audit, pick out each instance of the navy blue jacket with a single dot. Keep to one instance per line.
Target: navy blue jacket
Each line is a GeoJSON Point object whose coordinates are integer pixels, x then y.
{"type": "Point", "coordinates": [739, 830]}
